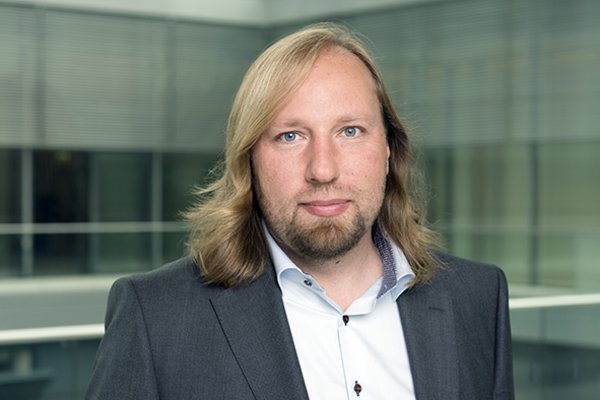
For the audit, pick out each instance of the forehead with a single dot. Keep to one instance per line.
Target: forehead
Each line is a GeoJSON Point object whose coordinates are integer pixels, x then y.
{"type": "Point", "coordinates": [338, 81]}
{"type": "Point", "coordinates": [337, 62]}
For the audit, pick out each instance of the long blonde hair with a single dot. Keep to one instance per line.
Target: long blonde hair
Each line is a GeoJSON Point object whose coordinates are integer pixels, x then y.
{"type": "Point", "coordinates": [226, 237]}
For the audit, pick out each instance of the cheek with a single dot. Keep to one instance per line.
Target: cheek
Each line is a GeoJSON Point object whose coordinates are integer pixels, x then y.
{"type": "Point", "coordinates": [273, 181]}
{"type": "Point", "coordinates": [261, 166]}
{"type": "Point", "coordinates": [270, 173]}
{"type": "Point", "coordinates": [371, 164]}
{"type": "Point", "coordinates": [276, 168]}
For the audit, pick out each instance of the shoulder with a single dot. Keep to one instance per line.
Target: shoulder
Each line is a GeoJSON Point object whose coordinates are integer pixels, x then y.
{"type": "Point", "coordinates": [467, 281]}
{"type": "Point", "coordinates": [181, 271]}
{"type": "Point", "coordinates": [164, 288]}
{"type": "Point", "coordinates": [454, 270]}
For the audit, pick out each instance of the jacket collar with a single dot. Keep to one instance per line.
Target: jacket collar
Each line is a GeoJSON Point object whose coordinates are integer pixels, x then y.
{"type": "Point", "coordinates": [254, 322]}
{"type": "Point", "coordinates": [428, 324]}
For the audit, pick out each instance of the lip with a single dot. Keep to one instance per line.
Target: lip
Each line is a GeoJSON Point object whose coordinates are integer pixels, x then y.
{"type": "Point", "coordinates": [326, 208]}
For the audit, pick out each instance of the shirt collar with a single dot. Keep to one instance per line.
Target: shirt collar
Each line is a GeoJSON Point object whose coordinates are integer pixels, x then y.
{"type": "Point", "coordinates": [397, 273]}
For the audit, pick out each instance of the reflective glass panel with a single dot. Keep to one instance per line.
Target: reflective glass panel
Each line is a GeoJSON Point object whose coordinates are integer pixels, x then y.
{"type": "Point", "coordinates": [61, 186]}
{"type": "Point", "coordinates": [46, 371]}
{"type": "Point", "coordinates": [173, 245]}
{"type": "Point", "coordinates": [60, 254]}
{"type": "Point", "coordinates": [10, 186]}
{"type": "Point", "coordinates": [557, 352]}
{"type": "Point", "coordinates": [10, 255]}
{"type": "Point", "coordinates": [569, 214]}
{"type": "Point", "coordinates": [181, 173]}
{"type": "Point", "coordinates": [122, 252]}
{"type": "Point", "coordinates": [123, 188]}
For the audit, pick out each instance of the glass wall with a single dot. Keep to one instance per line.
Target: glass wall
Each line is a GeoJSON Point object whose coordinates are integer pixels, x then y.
{"type": "Point", "coordinates": [10, 210]}
{"type": "Point", "coordinates": [113, 119]}
{"type": "Point", "coordinates": [95, 211]}
{"type": "Point", "coordinates": [48, 371]}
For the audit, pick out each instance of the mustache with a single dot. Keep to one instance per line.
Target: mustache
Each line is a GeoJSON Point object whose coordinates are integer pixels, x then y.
{"type": "Point", "coordinates": [325, 189]}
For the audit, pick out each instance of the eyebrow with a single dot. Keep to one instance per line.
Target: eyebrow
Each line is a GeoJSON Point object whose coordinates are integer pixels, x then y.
{"type": "Point", "coordinates": [348, 119]}
{"type": "Point", "coordinates": [345, 119]}
{"type": "Point", "coordinates": [288, 123]}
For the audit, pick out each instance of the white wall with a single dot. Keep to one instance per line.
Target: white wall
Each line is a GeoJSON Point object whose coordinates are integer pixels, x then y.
{"type": "Point", "coordinates": [249, 12]}
{"type": "Point", "coordinates": [280, 11]}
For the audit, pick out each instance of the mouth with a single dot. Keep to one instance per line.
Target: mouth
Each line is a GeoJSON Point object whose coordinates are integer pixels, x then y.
{"type": "Point", "coordinates": [326, 208]}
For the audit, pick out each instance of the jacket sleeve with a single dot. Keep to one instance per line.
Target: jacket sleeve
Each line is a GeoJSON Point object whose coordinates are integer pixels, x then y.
{"type": "Point", "coordinates": [124, 367]}
{"type": "Point", "coordinates": [503, 376]}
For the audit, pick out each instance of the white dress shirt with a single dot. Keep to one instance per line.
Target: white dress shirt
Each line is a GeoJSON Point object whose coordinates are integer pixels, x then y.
{"type": "Point", "coordinates": [356, 354]}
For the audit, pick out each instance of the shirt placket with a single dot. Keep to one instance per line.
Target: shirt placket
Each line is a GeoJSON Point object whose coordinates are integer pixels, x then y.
{"type": "Point", "coordinates": [350, 361]}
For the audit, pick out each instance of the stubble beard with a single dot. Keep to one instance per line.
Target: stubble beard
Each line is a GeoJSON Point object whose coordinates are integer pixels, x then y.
{"type": "Point", "coordinates": [325, 238]}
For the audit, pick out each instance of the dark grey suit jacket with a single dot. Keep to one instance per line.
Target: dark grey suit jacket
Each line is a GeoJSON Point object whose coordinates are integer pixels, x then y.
{"type": "Point", "coordinates": [171, 337]}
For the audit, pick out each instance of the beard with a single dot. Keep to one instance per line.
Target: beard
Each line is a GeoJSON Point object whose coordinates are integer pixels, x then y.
{"type": "Point", "coordinates": [321, 240]}
{"type": "Point", "coordinates": [316, 238]}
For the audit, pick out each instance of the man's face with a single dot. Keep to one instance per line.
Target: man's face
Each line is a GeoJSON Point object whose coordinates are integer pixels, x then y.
{"type": "Point", "coordinates": [320, 168]}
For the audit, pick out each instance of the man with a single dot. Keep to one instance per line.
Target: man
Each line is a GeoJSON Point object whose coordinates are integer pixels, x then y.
{"type": "Point", "coordinates": [311, 273]}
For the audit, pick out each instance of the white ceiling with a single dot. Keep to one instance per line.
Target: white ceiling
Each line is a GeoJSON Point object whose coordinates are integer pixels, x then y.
{"type": "Point", "coordinates": [248, 12]}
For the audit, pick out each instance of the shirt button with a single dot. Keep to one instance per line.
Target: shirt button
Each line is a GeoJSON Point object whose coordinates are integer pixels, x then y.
{"type": "Point", "coordinates": [357, 388]}
{"type": "Point", "coordinates": [307, 282]}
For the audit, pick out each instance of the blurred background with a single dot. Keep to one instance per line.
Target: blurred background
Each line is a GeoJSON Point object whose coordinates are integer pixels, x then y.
{"type": "Point", "coordinates": [112, 110]}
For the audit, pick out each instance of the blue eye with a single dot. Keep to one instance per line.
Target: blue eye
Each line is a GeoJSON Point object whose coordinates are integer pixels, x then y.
{"type": "Point", "coordinates": [289, 136]}
{"type": "Point", "coordinates": [351, 131]}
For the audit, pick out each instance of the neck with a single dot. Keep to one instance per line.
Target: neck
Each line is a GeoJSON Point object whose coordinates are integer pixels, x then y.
{"type": "Point", "coordinates": [347, 277]}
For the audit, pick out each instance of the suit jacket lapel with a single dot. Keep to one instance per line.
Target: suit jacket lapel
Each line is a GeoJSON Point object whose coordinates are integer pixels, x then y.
{"type": "Point", "coordinates": [428, 324]}
{"type": "Point", "coordinates": [254, 322]}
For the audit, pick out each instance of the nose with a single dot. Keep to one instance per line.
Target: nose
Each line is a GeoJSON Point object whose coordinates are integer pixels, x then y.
{"type": "Point", "coordinates": [323, 160]}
